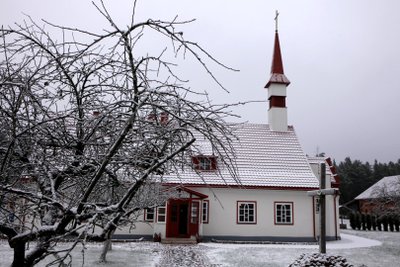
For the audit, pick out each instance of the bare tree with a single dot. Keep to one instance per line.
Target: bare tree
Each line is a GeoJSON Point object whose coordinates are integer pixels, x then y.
{"type": "Point", "coordinates": [87, 123]}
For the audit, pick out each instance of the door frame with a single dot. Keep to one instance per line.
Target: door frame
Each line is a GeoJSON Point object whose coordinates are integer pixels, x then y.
{"type": "Point", "coordinates": [192, 200]}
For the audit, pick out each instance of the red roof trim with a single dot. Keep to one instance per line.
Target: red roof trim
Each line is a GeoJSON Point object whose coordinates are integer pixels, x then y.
{"type": "Point", "coordinates": [246, 187]}
{"type": "Point", "coordinates": [190, 191]}
{"type": "Point", "coordinates": [335, 175]}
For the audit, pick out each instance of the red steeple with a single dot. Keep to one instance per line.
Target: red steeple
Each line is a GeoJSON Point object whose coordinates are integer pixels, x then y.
{"type": "Point", "coordinates": [277, 74]}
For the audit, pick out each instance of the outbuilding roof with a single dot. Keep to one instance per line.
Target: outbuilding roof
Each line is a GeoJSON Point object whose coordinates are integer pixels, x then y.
{"type": "Point", "coordinates": [263, 158]}
{"type": "Point", "coordinates": [387, 185]}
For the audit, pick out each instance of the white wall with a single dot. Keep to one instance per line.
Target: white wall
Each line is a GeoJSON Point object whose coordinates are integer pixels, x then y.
{"type": "Point", "coordinates": [223, 215]}
{"type": "Point", "coordinates": [277, 119]}
{"type": "Point", "coordinates": [277, 89]}
{"type": "Point", "coordinates": [223, 221]}
{"type": "Point", "coordinates": [140, 227]}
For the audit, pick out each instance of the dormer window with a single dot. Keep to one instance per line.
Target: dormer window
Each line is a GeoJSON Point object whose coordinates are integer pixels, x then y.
{"type": "Point", "coordinates": [204, 163]}
{"type": "Point", "coordinates": [161, 118]}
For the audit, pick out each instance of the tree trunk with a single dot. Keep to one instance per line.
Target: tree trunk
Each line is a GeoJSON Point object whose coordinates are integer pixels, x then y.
{"type": "Point", "coordinates": [107, 246]}
{"type": "Point", "coordinates": [19, 255]}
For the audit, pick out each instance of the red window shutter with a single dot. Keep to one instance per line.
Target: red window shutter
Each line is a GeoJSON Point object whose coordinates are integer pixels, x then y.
{"type": "Point", "coordinates": [164, 118]}
{"type": "Point", "coordinates": [213, 163]}
{"type": "Point", "coordinates": [195, 161]}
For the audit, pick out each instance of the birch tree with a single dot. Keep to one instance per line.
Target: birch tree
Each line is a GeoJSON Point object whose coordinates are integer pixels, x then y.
{"type": "Point", "coordinates": [87, 122]}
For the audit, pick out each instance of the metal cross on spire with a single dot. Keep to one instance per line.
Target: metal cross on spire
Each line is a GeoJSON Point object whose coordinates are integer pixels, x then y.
{"type": "Point", "coordinates": [276, 20]}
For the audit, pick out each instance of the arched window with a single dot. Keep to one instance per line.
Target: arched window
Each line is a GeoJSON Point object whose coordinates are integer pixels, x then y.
{"type": "Point", "coordinates": [284, 213]}
{"type": "Point", "coordinates": [246, 212]}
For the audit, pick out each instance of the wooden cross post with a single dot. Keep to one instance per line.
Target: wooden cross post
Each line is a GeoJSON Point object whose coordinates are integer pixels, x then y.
{"type": "Point", "coordinates": [321, 193]}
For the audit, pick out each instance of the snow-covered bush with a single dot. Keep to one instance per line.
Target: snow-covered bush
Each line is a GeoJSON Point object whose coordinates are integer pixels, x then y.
{"type": "Point", "coordinates": [318, 259]}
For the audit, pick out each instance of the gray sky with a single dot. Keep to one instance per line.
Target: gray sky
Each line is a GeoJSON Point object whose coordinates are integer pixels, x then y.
{"type": "Point", "coordinates": [342, 58]}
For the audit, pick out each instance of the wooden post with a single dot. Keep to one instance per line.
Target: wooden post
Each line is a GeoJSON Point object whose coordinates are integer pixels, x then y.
{"type": "Point", "coordinates": [321, 194]}
{"type": "Point", "coordinates": [322, 219]}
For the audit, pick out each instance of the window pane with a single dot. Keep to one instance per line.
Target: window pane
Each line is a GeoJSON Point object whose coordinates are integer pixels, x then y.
{"type": "Point", "coordinates": [149, 214]}
{"type": "Point", "coordinates": [205, 163]}
{"type": "Point", "coordinates": [161, 214]}
{"type": "Point", "coordinates": [194, 213]}
{"type": "Point", "coordinates": [246, 212]}
{"type": "Point", "coordinates": [205, 212]}
{"type": "Point", "coordinates": [283, 213]}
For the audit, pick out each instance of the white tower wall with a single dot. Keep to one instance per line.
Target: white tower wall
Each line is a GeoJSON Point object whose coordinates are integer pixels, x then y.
{"type": "Point", "coordinates": [277, 118]}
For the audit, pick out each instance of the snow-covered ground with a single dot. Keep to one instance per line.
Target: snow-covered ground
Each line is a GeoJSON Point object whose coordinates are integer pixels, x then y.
{"type": "Point", "coordinates": [353, 247]}
{"type": "Point", "coordinates": [358, 247]}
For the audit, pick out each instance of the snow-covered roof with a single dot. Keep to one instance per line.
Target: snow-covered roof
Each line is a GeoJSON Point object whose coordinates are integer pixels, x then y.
{"type": "Point", "coordinates": [328, 168]}
{"type": "Point", "coordinates": [263, 158]}
{"type": "Point", "coordinates": [390, 185]}
{"type": "Point", "coordinates": [319, 160]}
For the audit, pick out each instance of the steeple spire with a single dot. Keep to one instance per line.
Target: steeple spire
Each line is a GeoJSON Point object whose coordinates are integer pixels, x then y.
{"type": "Point", "coordinates": [277, 74]}
{"type": "Point", "coordinates": [277, 113]}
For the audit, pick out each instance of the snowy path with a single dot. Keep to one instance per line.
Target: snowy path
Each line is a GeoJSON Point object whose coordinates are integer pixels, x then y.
{"type": "Point", "coordinates": [182, 256]}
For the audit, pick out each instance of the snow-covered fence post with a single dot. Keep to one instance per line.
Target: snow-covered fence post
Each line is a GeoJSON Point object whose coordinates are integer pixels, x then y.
{"type": "Point", "coordinates": [321, 193]}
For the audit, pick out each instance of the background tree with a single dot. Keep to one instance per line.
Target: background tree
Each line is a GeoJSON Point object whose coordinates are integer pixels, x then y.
{"type": "Point", "coordinates": [357, 176]}
{"type": "Point", "coordinates": [89, 123]}
{"type": "Point", "coordinates": [386, 200]}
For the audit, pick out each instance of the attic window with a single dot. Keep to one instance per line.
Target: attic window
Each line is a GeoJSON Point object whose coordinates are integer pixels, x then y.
{"type": "Point", "coordinates": [204, 163]}
{"type": "Point", "coordinates": [161, 118]}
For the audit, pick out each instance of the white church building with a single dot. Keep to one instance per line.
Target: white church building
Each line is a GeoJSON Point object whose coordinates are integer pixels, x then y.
{"type": "Point", "coordinates": [269, 204]}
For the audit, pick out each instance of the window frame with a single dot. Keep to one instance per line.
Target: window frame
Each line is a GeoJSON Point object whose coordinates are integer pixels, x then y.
{"type": "Point", "coordinates": [161, 214]}
{"type": "Point", "coordinates": [204, 163]}
{"type": "Point", "coordinates": [195, 212]}
{"type": "Point", "coordinates": [283, 203]}
{"type": "Point", "coordinates": [246, 202]}
{"type": "Point", "coordinates": [146, 213]}
{"type": "Point", "coordinates": [205, 213]}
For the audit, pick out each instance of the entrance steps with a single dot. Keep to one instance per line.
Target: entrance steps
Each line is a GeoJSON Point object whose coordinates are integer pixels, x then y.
{"type": "Point", "coordinates": [179, 241]}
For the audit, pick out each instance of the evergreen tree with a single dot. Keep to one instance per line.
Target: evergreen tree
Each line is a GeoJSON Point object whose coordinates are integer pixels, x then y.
{"type": "Point", "coordinates": [363, 221]}
{"type": "Point", "coordinates": [373, 222]}
{"type": "Point", "coordinates": [379, 223]}
{"type": "Point", "coordinates": [357, 176]}
{"type": "Point", "coordinates": [369, 221]}
{"type": "Point", "coordinates": [352, 218]}
{"type": "Point", "coordinates": [358, 221]}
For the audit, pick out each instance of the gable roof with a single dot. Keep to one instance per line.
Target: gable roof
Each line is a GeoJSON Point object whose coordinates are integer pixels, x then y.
{"type": "Point", "coordinates": [319, 160]}
{"type": "Point", "coordinates": [329, 169]}
{"type": "Point", "coordinates": [264, 158]}
{"type": "Point", "coordinates": [390, 184]}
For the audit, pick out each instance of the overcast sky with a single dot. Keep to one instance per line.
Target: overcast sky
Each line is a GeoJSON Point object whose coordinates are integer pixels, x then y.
{"type": "Point", "coordinates": [342, 58]}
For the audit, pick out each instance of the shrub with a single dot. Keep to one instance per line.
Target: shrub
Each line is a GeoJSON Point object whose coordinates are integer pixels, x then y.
{"type": "Point", "coordinates": [379, 223]}
{"type": "Point", "coordinates": [352, 218]}
{"type": "Point", "coordinates": [397, 223]}
{"type": "Point", "coordinates": [368, 221]}
{"type": "Point", "coordinates": [391, 222]}
{"type": "Point", "coordinates": [318, 259]}
{"type": "Point", "coordinates": [358, 221]}
{"type": "Point", "coordinates": [363, 221]}
{"type": "Point", "coordinates": [373, 222]}
{"type": "Point", "coordinates": [157, 237]}
{"type": "Point", "coordinates": [385, 223]}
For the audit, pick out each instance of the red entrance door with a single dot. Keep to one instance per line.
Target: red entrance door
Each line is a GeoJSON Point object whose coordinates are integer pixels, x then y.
{"type": "Point", "coordinates": [182, 218]}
